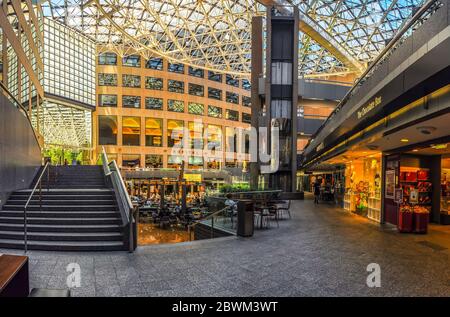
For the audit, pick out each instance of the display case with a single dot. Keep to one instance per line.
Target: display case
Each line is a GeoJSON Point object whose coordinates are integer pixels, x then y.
{"type": "Point", "coordinates": [445, 197]}
{"type": "Point", "coordinates": [374, 209]}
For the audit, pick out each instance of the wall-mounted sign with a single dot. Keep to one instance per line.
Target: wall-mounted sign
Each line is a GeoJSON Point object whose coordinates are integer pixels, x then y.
{"type": "Point", "coordinates": [398, 195]}
{"type": "Point", "coordinates": [414, 196]}
{"type": "Point", "coordinates": [366, 109]}
{"type": "Point", "coordinates": [193, 177]}
{"type": "Point", "coordinates": [390, 184]}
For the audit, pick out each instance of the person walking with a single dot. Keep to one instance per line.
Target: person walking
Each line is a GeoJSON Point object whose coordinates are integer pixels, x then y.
{"type": "Point", "coordinates": [316, 192]}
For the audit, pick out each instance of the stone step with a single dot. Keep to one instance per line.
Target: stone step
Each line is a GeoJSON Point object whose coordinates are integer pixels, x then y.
{"type": "Point", "coordinates": [64, 245]}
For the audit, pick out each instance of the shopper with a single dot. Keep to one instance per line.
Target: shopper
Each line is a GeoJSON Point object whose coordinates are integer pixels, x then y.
{"type": "Point", "coordinates": [316, 192]}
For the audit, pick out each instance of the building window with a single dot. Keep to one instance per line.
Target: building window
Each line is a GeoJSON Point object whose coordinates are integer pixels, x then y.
{"type": "Point", "coordinates": [246, 101]}
{"type": "Point", "coordinates": [196, 90]}
{"type": "Point", "coordinates": [107, 59]}
{"type": "Point", "coordinates": [246, 117]}
{"type": "Point", "coordinates": [153, 161]}
{"type": "Point", "coordinates": [214, 93]}
{"type": "Point", "coordinates": [176, 68]}
{"type": "Point", "coordinates": [131, 131]}
{"type": "Point", "coordinates": [153, 103]}
{"type": "Point", "coordinates": [195, 162]}
{"type": "Point", "coordinates": [246, 84]}
{"type": "Point", "coordinates": [196, 72]}
{"type": "Point", "coordinates": [107, 100]}
{"type": "Point", "coordinates": [131, 160]}
{"type": "Point", "coordinates": [131, 102]}
{"type": "Point", "coordinates": [215, 112]}
{"type": "Point", "coordinates": [195, 135]}
{"type": "Point", "coordinates": [155, 63]}
{"type": "Point", "coordinates": [214, 137]}
{"type": "Point", "coordinates": [153, 131]}
{"type": "Point", "coordinates": [196, 108]}
{"type": "Point", "coordinates": [174, 132]}
{"type": "Point", "coordinates": [153, 83]}
{"type": "Point", "coordinates": [132, 81]}
{"type": "Point", "coordinates": [107, 130]}
{"type": "Point", "coordinates": [131, 61]}
{"type": "Point", "coordinates": [232, 97]}
{"type": "Point", "coordinates": [174, 161]}
{"type": "Point", "coordinates": [175, 105]}
{"type": "Point", "coordinates": [215, 76]}
{"type": "Point", "coordinates": [175, 86]}
{"type": "Point", "coordinates": [232, 115]}
{"type": "Point", "coordinates": [231, 140]}
{"type": "Point", "coordinates": [107, 79]}
{"type": "Point", "coordinates": [232, 81]}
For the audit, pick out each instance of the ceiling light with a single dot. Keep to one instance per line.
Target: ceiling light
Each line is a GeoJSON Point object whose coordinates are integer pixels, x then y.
{"type": "Point", "coordinates": [415, 150]}
{"type": "Point", "coordinates": [404, 140]}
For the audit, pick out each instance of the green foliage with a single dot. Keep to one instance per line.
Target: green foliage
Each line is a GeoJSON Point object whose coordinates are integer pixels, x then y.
{"type": "Point", "coordinates": [234, 188]}
{"type": "Point", "coordinates": [57, 155]}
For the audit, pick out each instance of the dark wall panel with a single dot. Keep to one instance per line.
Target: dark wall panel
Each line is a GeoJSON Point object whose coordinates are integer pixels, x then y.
{"type": "Point", "coordinates": [20, 154]}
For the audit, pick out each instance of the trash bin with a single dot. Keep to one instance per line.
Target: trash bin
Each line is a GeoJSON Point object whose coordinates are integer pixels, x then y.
{"type": "Point", "coordinates": [245, 219]}
{"type": "Point", "coordinates": [405, 222]}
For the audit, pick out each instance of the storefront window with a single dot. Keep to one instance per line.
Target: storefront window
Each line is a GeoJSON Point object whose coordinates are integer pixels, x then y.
{"type": "Point", "coordinates": [107, 100]}
{"type": "Point", "coordinates": [363, 187]}
{"type": "Point", "coordinates": [196, 90]}
{"type": "Point", "coordinates": [131, 61]}
{"type": "Point", "coordinates": [153, 103]}
{"type": "Point", "coordinates": [175, 105]}
{"type": "Point", "coordinates": [153, 132]}
{"type": "Point", "coordinates": [174, 132]}
{"type": "Point", "coordinates": [153, 83]}
{"type": "Point", "coordinates": [175, 86]}
{"type": "Point", "coordinates": [107, 79]}
{"type": "Point", "coordinates": [131, 102]}
{"type": "Point", "coordinates": [131, 131]}
{"type": "Point", "coordinates": [214, 112]}
{"type": "Point", "coordinates": [153, 161]}
{"type": "Point", "coordinates": [155, 63]}
{"type": "Point", "coordinates": [232, 97]}
{"type": "Point", "coordinates": [107, 130]}
{"type": "Point", "coordinates": [132, 81]}
{"type": "Point", "coordinates": [196, 108]}
{"type": "Point", "coordinates": [445, 189]}
{"type": "Point", "coordinates": [107, 59]}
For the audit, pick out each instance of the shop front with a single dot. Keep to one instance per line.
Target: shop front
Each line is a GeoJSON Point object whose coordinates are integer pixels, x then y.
{"type": "Point", "coordinates": [417, 187]}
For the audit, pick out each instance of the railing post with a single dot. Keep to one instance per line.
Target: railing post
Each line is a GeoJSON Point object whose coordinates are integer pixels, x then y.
{"type": "Point", "coordinates": [25, 240]}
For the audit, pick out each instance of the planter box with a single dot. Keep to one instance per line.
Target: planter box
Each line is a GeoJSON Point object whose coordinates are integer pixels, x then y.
{"type": "Point", "coordinates": [421, 222]}
{"type": "Point", "coordinates": [405, 222]}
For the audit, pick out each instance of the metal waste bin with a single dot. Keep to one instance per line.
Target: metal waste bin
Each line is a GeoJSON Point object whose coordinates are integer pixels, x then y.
{"type": "Point", "coordinates": [245, 225]}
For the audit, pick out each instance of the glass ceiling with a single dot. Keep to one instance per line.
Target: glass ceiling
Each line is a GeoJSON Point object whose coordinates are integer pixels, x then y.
{"type": "Point", "coordinates": [215, 34]}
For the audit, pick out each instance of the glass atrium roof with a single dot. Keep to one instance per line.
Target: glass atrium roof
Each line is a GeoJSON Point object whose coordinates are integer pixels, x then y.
{"type": "Point", "coordinates": [215, 34]}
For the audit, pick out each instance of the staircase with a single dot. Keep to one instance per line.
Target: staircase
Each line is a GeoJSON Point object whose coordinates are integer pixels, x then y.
{"type": "Point", "coordinates": [79, 213]}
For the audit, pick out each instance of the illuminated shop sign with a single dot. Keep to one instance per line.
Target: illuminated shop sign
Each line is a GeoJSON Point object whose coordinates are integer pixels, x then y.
{"type": "Point", "coordinates": [193, 177]}
{"type": "Point", "coordinates": [373, 104]}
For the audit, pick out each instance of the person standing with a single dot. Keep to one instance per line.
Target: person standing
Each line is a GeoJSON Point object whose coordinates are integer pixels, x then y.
{"type": "Point", "coordinates": [316, 192]}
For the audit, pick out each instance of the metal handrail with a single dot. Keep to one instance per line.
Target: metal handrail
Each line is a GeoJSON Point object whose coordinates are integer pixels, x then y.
{"type": "Point", "coordinates": [38, 182]}
{"type": "Point", "coordinates": [112, 170]}
{"type": "Point", "coordinates": [191, 226]}
{"type": "Point", "coordinates": [375, 62]}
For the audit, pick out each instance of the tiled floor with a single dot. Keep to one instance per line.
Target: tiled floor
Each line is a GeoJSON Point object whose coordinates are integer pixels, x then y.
{"type": "Point", "coordinates": [321, 251]}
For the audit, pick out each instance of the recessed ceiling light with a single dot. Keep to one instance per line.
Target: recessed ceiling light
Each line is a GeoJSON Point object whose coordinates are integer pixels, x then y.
{"type": "Point", "coordinates": [404, 140]}
{"type": "Point", "coordinates": [415, 150]}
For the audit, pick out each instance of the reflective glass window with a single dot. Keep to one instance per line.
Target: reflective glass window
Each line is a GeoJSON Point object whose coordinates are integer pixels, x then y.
{"type": "Point", "coordinates": [107, 100]}
{"type": "Point", "coordinates": [214, 93]}
{"type": "Point", "coordinates": [153, 103]}
{"type": "Point", "coordinates": [155, 63]}
{"type": "Point", "coordinates": [153, 131]}
{"type": "Point", "coordinates": [232, 97]}
{"type": "Point", "coordinates": [131, 131]}
{"type": "Point", "coordinates": [131, 101]}
{"type": "Point", "coordinates": [107, 79]}
{"type": "Point", "coordinates": [175, 105]}
{"type": "Point", "coordinates": [175, 86]}
{"type": "Point", "coordinates": [131, 61]}
{"type": "Point", "coordinates": [107, 130]}
{"type": "Point", "coordinates": [153, 83]}
{"type": "Point", "coordinates": [196, 90]}
{"type": "Point", "coordinates": [176, 68]}
{"type": "Point", "coordinates": [133, 81]}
